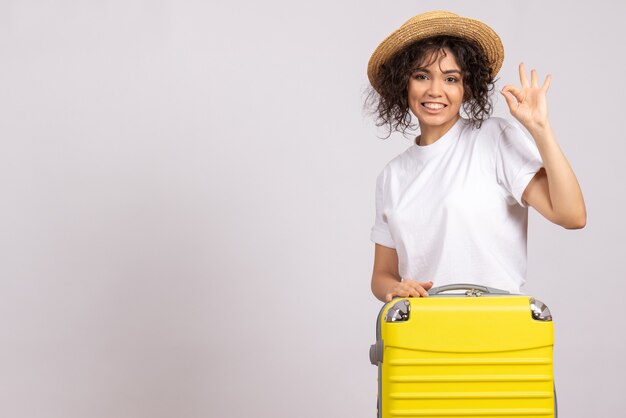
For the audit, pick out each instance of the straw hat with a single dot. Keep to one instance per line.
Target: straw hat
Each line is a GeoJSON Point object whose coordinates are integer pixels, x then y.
{"type": "Point", "coordinates": [436, 23]}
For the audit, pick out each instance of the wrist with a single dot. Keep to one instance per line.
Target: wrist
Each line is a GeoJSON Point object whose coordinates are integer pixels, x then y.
{"type": "Point", "coordinates": [540, 130]}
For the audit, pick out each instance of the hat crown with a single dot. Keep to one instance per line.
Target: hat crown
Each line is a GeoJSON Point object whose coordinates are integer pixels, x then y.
{"type": "Point", "coordinates": [432, 15]}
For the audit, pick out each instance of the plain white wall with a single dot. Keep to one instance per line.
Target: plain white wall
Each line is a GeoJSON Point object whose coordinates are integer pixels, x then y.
{"type": "Point", "coordinates": [188, 190]}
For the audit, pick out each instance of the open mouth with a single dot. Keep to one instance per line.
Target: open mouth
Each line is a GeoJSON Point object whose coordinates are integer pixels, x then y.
{"type": "Point", "coordinates": [434, 106]}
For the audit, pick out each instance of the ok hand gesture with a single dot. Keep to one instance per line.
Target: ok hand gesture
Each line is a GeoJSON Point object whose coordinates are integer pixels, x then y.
{"type": "Point", "coordinates": [528, 105]}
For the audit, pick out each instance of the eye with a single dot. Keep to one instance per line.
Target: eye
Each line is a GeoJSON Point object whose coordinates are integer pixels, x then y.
{"type": "Point", "coordinates": [451, 79]}
{"type": "Point", "coordinates": [420, 76]}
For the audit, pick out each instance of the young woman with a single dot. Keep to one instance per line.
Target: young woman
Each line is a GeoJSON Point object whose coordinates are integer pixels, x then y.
{"type": "Point", "coordinates": [452, 208]}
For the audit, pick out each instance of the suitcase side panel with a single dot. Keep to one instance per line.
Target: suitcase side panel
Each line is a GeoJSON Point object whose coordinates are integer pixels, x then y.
{"type": "Point", "coordinates": [424, 383]}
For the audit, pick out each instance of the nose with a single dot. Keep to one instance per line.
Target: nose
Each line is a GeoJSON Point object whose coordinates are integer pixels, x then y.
{"type": "Point", "coordinates": [434, 88]}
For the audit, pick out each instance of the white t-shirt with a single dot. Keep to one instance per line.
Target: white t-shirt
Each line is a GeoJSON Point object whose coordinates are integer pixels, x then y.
{"type": "Point", "coordinates": [453, 209]}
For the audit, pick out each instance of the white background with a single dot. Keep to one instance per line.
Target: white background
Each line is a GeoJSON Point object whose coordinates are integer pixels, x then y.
{"type": "Point", "coordinates": [188, 190]}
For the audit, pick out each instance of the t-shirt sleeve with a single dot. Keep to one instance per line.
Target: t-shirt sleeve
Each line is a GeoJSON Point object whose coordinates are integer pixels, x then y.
{"type": "Point", "coordinates": [517, 162]}
{"type": "Point", "coordinates": [380, 231]}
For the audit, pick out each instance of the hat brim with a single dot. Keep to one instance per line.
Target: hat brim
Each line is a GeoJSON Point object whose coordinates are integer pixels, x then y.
{"type": "Point", "coordinates": [437, 23]}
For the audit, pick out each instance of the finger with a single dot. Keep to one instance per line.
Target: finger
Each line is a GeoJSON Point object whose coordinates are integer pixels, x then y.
{"type": "Point", "coordinates": [427, 285]}
{"type": "Point", "coordinates": [404, 289]}
{"type": "Point", "coordinates": [420, 290]}
{"type": "Point", "coordinates": [510, 100]}
{"type": "Point", "coordinates": [522, 75]}
{"type": "Point", "coordinates": [546, 84]}
{"type": "Point", "coordinates": [400, 293]}
{"type": "Point", "coordinates": [514, 91]}
{"type": "Point", "coordinates": [533, 78]}
{"type": "Point", "coordinates": [413, 293]}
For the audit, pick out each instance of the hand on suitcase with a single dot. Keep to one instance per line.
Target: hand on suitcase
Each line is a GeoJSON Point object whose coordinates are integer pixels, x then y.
{"type": "Point", "coordinates": [408, 288]}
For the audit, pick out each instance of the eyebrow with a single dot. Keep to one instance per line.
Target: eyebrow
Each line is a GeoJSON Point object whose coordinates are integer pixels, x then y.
{"type": "Point", "coordinates": [445, 72]}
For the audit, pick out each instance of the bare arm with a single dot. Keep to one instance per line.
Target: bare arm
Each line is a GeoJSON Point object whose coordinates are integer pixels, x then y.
{"type": "Point", "coordinates": [554, 191]}
{"type": "Point", "coordinates": [386, 280]}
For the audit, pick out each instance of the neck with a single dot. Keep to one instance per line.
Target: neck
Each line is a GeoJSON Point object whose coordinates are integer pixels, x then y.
{"type": "Point", "coordinates": [431, 134]}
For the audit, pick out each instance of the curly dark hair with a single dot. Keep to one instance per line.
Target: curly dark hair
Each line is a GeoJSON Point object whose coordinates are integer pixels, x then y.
{"type": "Point", "coordinates": [390, 102]}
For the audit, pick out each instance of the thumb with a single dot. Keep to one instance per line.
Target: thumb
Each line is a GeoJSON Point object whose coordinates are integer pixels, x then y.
{"type": "Point", "coordinates": [428, 285]}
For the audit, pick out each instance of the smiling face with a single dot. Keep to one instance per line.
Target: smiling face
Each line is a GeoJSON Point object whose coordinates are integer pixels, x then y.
{"type": "Point", "coordinates": [435, 95]}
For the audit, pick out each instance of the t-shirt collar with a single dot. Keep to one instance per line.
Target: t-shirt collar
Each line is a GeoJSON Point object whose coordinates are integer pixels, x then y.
{"type": "Point", "coordinates": [442, 143]}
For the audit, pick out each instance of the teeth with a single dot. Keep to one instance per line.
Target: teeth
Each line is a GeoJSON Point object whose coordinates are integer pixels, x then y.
{"type": "Point", "coordinates": [434, 106]}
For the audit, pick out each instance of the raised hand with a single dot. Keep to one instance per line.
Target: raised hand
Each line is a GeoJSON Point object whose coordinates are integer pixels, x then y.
{"type": "Point", "coordinates": [528, 105]}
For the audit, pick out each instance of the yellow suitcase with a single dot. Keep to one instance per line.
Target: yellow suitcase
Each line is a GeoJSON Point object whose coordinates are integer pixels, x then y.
{"type": "Point", "coordinates": [479, 353]}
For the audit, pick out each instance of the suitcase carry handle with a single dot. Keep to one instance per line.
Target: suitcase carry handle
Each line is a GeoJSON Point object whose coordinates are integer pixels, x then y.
{"type": "Point", "coordinates": [469, 287]}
